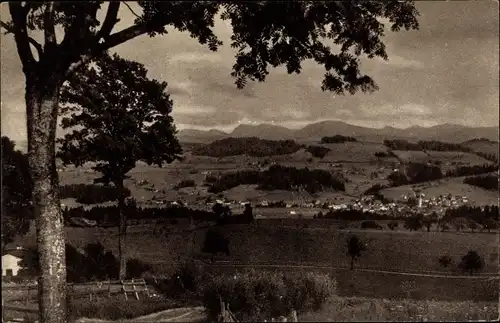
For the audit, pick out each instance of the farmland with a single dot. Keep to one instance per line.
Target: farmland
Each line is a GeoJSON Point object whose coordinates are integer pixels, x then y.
{"type": "Point", "coordinates": [289, 242]}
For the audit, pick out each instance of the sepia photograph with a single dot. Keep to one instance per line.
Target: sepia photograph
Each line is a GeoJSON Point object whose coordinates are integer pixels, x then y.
{"type": "Point", "coordinates": [250, 161]}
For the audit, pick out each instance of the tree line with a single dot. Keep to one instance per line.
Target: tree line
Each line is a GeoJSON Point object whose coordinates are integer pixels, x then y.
{"type": "Point", "coordinates": [488, 182]}
{"type": "Point", "coordinates": [112, 213]}
{"type": "Point", "coordinates": [318, 151]}
{"type": "Point", "coordinates": [251, 146]}
{"type": "Point", "coordinates": [422, 145]}
{"type": "Point", "coordinates": [423, 172]}
{"type": "Point", "coordinates": [91, 193]}
{"type": "Point", "coordinates": [279, 177]}
{"type": "Point", "coordinates": [337, 139]}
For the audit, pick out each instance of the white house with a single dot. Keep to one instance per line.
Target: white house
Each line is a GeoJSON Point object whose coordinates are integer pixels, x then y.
{"type": "Point", "coordinates": [10, 264]}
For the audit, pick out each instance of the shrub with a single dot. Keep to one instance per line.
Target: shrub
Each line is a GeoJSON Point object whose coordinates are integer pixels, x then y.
{"type": "Point", "coordinates": [185, 183]}
{"type": "Point", "coordinates": [318, 151]}
{"type": "Point", "coordinates": [370, 225]}
{"type": "Point", "coordinates": [257, 295]}
{"type": "Point", "coordinates": [354, 248]}
{"type": "Point", "coordinates": [215, 243]}
{"type": "Point", "coordinates": [471, 262]}
{"type": "Point", "coordinates": [393, 225]}
{"type": "Point", "coordinates": [445, 261]}
{"type": "Point", "coordinates": [414, 223]}
{"type": "Point", "coordinates": [186, 280]}
{"type": "Point", "coordinates": [136, 268]}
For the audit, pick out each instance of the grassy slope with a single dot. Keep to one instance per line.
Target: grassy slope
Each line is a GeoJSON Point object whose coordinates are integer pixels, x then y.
{"type": "Point", "coordinates": [454, 186]}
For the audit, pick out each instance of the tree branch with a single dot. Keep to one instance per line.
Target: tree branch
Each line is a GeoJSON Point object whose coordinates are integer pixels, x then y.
{"type": "Point", "coordinates": [129, 8]}
{"type": "Point", "coordinates": [19, 14]}
{"type": "Point", "coordinates": [33, 42]}
{"type": "Point", "coordinates": [123, 36]}
{"type": "Point", "coordinates": [110, 20]}
{"type": "Point", "coordinates": [48, 26]}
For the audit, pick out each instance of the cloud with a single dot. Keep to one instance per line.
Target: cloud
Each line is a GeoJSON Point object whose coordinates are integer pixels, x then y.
{"type": "Point", "coordinates": [445, 72]}
{"type": "Point", "coordinates": [195, 57]}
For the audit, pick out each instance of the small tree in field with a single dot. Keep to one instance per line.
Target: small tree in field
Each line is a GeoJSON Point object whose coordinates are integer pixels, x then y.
{"type": "Point", "coordinates": [354, 249]}
{"type": "Point", "coordinates": [118, 117]}
{"type": "Point", "coordinates": [393, 225]}
{"type": "Point", "coordinates": [445, 261]}
{"type": "Point", "coordinates": [215, 243]}
{"type": "Point", "coordinates": [471, 262]}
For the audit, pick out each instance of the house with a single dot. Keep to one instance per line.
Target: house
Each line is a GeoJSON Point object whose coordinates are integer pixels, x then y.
{"type": "Point", "coordinates": [10, 262]}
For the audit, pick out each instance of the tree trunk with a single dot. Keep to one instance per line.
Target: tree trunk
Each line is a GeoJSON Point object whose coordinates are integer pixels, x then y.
{"type": "Point", "coordinates": [352, 263]}
{"type": "Point", "coordinates": [42, 108]}
{"type": "Point", "coordinates": [122, 231]}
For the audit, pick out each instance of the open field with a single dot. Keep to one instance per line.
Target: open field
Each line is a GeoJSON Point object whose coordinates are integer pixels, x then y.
{"type": "Point", "coordinates": [264, 242]}
{"type": "Point", "coordinates": [453, 186]}
{"type": "Point", "coordinates": [356, 309]}
{"type": "Point", "coordinates": [488, 147]}
{"type": "Point", "coordinates": [282, 242]}
{"type": "Point", "coordinates": [447, 159]}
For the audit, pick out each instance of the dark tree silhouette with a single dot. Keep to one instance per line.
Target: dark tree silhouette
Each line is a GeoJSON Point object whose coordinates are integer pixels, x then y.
{"type": "Point", "coordinates": [393, 225]}
{"type": "Point", "coordinates": [445, 261]}
{"type": "Point", "coordinates": [118, 117]}
{"type": "Point", "coordinates": [248, 213]}
{"type": "Point", "coordinates": [471, 262]}
{"type": "Point", "coordinates": [215, 243]}
{"type": "Point", "coordinates": [354, 249]}
{"type": "Point", "coordinates": [414, 223]}
{"type": "Point", "coordinates": [264, 33]}
{"type": "Point", "coordinates": [16, 193]}
{"type": "Point", "coordinates": [429, 220]}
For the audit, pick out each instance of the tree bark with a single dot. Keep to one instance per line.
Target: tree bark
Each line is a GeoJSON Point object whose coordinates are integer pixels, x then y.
{"type": "Point", "coordinates": [122, 231]}
{"type": "Point", "coordinates": [42, 107]}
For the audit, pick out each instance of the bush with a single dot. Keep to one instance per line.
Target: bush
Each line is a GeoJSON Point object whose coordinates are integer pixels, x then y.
{"type": "Point", "coordinates": [318, 151]}
{"type": "Point", "coordinates": [370, 225]}
{"type": "Point", "coordinates": [136, 268]}
{"type": "Point", "coordinates": [187, 280]}
{"type": "Point", "coordinates": [471, 262]}
{"type": "Point", "coordinates": [215, 242]}
{"type": "Point", "coordinates": [258, 295]}
{"type": "Point", "coordinates": [393, 225]}
{"type": "Point", "coordinates": [185, 183]}
{"type": "Point", "coordinates": [445, 261]}
{"type": "Point", "coordinates": [337, 139]}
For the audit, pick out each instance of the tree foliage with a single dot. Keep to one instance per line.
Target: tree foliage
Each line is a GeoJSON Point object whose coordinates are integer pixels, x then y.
{"type": "Point", "coordinates": [122, 117]}
{"type": "Point", "coordinates": [279, 177]}
{"type": "Point", "coordinates": [488, 182]}
{"type": "Point", "coordinates": [251, 146]}
{"type": "Point", "coordinates": [471, 262]}
{"type": "Point", "coordinates": [318, 151]}
{"type": "Point", "coordinates": [445, 261]}
{"type": "Point", "coordinates": [17, 187]}
{"type": "Point", "coordinates": [337, 139]}
{"type": "Point", "coordinates": [354, 248]}
{"type": "Point", "coordinates": [215, 242]}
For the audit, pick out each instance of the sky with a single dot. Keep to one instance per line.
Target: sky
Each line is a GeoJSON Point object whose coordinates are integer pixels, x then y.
{"type": "Point", "coordinates": [445, 72]}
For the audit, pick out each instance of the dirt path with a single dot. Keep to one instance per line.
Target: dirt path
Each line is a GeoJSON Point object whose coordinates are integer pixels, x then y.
{"type": "Point", "coordinates": [184, 314]}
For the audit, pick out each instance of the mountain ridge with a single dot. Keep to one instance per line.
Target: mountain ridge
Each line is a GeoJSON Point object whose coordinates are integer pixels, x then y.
{"type": "Point", "coordinates": [444, 132]}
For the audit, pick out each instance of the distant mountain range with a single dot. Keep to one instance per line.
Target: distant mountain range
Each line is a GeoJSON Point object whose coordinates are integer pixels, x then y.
{"type": "Point", "coordinates": [314, 131]}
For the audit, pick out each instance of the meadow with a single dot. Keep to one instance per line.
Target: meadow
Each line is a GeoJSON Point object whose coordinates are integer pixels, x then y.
{"type": "Point", "coordinates": [453, 186]}
{"type": "Point", "coordinates": [280, 243]}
